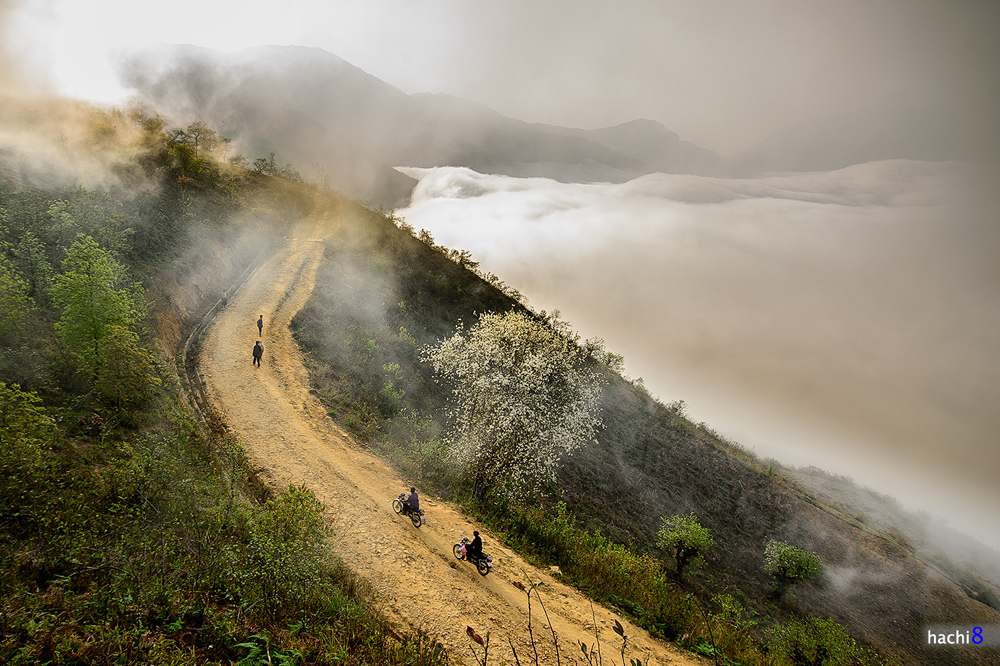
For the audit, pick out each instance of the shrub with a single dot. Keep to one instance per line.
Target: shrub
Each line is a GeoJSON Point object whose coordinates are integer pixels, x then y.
{"type": "Point", "coordinates": [26, 434]}
{"type": "Point", "coordinates": [790, 565]}
{"type": "Point", "coordinates": [283, 560]}
{"type": "Point", "coordinates": [686, 539]}
{"type": "Point", "coordinates": [813, 640]}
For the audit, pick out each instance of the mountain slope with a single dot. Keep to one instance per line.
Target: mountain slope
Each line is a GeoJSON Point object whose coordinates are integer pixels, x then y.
{"type": "Point", "coordinates": [381, 296]}
{"type": "Point", "coordinates": [654, 145]}
{"type": "Point", "coordinates": [287, 433]}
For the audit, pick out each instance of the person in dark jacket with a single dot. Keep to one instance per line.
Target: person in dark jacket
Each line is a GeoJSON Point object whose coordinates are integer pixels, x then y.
{"type": "Point", "coordinates": [412, 503]}
{"type": "Point", "coordinates": [258, 351]}
{"type": "Point", "coordinates": [475, 549]}
{"type": "Point", "coordinates": [260, 326]}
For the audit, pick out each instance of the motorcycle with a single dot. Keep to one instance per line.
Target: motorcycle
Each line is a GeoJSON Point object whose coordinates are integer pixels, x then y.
{"type": "Point", "coordinates": [484, 563]}
{"type": "Point", "coordinates": [416, 517]}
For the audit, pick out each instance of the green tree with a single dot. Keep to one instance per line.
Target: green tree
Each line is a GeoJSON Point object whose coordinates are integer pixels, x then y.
{"type": "Point", "coordinates": [524, 395]}
{"type": "Point", "coordinates": [790, 565]}
{"type": "Point", "coordinates": [95, 295]}
{"type": "Point", "coordinates": [26, 433]}
{"type": "Point", "coordinates": [819, 641]}
{"type": "Point", "coordinates": [128, 370]}
{"type": "Point", "coordinates": [14, 300]}
{"type": "Point", "coordinates": [686, 539]}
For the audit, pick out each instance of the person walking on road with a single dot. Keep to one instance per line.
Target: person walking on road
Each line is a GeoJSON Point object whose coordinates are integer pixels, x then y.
{"type": "Point", "coordinates": [260, 326]}
{"type": "Point", "coordinates": [258, 351]}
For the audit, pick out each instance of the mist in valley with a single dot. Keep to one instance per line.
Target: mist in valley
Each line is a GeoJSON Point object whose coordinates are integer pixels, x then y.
{"type": "Point", "coordinates": [845, 319]}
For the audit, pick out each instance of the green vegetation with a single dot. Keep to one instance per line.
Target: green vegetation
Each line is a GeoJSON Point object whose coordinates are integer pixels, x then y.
{"type": "Point", "coordinates": [638, 584]}
{"type": "Point", "coordinates": [790, 565]}
{"type": "Point", "coordinates": [686, 540]}
{"type": "Point", "coordinates": [128, 533]}
{"type": "Point", "coordinates": [138, 553]}
{"type": "Point", "coordinates": [817, 641]}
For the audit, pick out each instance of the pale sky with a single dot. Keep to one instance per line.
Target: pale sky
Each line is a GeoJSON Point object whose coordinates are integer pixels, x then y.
{"type": "Point", "coordinates": [723, 75]}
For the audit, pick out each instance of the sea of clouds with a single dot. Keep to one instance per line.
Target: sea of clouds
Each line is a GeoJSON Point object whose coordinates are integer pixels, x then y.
{"type": "Point", "coordinates": [846, 319]}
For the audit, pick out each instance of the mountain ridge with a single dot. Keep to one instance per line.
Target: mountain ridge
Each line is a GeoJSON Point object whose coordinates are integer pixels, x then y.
{"type": "Point", "coordinates": [376, 127]}
{"type": "Point", "coordinates": [358, 127]}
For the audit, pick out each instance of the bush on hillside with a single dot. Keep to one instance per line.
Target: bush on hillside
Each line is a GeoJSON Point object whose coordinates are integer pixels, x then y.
{"type": "Point", "coordinates": [686, 540]}
{"type": "Point", "coordinates": [790, 565]}
{"type": "Point", "coordinates": [819, 641]}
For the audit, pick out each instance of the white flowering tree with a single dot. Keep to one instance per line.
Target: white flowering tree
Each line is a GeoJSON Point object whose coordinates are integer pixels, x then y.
{"type": "Point", "coordinates": [524, 394]}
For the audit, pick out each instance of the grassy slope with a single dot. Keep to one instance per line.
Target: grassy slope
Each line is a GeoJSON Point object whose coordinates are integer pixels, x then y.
{"type": "Point", "coordinates": [650, 461]}
{"type": "Point", "coordinates": [127, 531]}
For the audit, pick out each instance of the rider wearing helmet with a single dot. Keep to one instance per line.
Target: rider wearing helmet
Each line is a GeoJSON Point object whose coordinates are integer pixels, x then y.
{"type": "Point", "coordinates": [412, 503]}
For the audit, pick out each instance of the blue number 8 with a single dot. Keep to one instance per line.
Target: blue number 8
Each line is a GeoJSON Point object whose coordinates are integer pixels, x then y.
{"type": "Point", "coordinates": [977, 635]}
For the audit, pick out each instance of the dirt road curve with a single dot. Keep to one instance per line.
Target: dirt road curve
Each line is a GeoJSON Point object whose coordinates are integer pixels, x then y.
{"type": "Point", "coordinates": [418, 581]}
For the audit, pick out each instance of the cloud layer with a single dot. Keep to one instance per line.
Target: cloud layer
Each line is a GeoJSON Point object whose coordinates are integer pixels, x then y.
{"type": "Point", "coordinates": [847, 319]}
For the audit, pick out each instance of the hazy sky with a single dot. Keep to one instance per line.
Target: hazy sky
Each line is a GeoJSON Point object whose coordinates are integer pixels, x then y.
{"type": "Point", "coordinates": [724, 75]}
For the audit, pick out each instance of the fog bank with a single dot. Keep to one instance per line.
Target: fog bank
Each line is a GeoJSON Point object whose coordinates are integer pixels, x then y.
{"type": "Point", "coordinates": [847, 319]}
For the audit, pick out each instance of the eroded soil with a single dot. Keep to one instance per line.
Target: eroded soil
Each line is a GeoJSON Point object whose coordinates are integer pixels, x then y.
{"type": "Point", "coordinates": [418, 582]}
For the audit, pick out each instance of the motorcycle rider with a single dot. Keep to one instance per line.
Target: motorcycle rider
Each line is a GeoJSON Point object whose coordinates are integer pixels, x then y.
{"type": "Point", "coordinates": [412, 503]}
{"type": "Point", "coordinates": [475, 549]}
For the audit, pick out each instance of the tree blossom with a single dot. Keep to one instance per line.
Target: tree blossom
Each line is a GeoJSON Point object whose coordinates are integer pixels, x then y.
{"type": "Point", "coordinates": [525, 393]}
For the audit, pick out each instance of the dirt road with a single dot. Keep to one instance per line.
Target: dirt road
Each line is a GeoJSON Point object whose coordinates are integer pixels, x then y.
{"type": "Point", "coordinates": [418, 582]}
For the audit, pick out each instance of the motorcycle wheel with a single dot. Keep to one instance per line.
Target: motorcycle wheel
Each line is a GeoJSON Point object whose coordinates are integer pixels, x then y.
{"type": "Point", "coordinates": [415, 519]}
{"type": "Point", "coordinates": [457, 550]}
{"type": "Point", "coordinates": [397, 506]}
{"type": "Point", "coordinates": [482, 567]}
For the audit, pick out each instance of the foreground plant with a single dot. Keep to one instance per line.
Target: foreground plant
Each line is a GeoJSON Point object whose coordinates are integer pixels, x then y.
{"type": "Point", "coordinates": [555, 639]}
{"type": "Point", "coordinates": [485, 644]}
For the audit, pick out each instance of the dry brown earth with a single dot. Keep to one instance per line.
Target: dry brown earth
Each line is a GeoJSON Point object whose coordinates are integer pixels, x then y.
{"type": "Point", "coordinates": [418, 583]}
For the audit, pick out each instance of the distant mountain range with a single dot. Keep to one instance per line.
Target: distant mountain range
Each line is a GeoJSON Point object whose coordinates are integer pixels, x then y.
{"type": "Point", "coordinates": [311, 107]}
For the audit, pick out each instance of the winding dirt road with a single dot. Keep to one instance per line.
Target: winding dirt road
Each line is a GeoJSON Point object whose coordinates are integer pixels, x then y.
{"type": "Point", "coordinates": [418, 582]}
